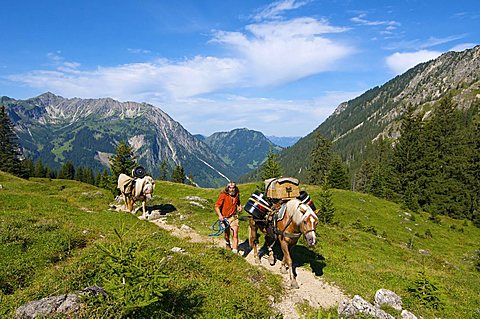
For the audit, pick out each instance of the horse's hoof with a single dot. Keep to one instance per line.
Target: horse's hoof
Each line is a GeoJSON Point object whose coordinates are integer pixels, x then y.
{"type": "Point", "coordinates": [294, 285]}
{"type": "Point", "coordinates": [271, 260]}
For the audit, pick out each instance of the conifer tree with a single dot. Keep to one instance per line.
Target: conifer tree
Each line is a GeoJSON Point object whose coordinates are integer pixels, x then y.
{"type": "Point", "coordinates": [408, 158]}
{"type": "Point", "coordinates": [28, 167]}
{"type": "Point", "coordinates": [178, 174]}
{"type": "Point", "coordinates": [337, 175]}
{"type": "Point", "coordinates": [67, 171]}
{"type": "Point", "coordinates": [123, 161]}
{"type": "Point", "coordinates": [163, 171]}
{"type": "Point", "coordinates": [103, 179]}
{"type": "Point", "coordinates": [445, 162]}
{"type": "Point", "coordinates": [319, 160]}
{"type": "Point", "coordinates": [39, 169]}
{"type": "Point", "coordinates": [326, 210]}
{"type": "Point", "coordinates": [88, 176]}
{"type": "Point", "coordinates": [10, 151]}
{"type": "Point", "coordinates": [271, 168]}
{"type": "Point", "coordinates": [79, 174]}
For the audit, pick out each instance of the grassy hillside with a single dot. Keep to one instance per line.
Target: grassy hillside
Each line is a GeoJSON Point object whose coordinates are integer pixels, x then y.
{"type": "Point", "coordinates": [58, 236]}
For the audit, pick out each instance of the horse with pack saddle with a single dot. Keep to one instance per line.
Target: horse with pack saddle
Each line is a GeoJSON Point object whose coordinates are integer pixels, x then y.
{"type": "Point", "coordinates": [283, 214]}
{"type": "Point", "coordinates": [139, 187]}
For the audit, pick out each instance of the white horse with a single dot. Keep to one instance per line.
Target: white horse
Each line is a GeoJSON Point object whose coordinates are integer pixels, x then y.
{"type": "Point", "coordinates": [296, 219]}
{"type": "Point", "coordinates": [135, 189]}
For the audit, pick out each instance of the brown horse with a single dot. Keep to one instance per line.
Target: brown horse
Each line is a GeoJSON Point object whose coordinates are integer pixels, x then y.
{"type": "Point", "coordinates": [135, 189]}
{"type": "Point", "coordinates": [298, 219]}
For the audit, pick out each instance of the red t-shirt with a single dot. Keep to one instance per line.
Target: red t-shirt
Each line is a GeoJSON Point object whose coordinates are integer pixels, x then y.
{"type": "Point", "coordinates": [228, 204]}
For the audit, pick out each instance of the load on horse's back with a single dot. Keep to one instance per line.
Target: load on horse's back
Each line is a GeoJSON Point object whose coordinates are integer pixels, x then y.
{"type": "Point", "coordinates": [137, 188]}
{"type": "Point", "coordinates": [283, 214]}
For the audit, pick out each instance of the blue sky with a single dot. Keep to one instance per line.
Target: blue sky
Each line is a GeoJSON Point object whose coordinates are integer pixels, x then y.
{"type": "Point", "coordinates": [214, 65]}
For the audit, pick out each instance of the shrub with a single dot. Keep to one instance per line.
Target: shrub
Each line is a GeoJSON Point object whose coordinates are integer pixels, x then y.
{"type": "Point", "coordinates": [132, 277]}
{"type": "Point", "coordinates": [425, 292]}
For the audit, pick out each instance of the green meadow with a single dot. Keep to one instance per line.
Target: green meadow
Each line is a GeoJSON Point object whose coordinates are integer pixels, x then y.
{"type": "Point", "coordinates": [59, 236]}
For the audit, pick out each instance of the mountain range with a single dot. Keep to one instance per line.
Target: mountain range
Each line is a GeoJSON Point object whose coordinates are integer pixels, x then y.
{"type": "Point", "coordinates": [86, 131]}
{"type": "Point", "coordinates": [54, 129]}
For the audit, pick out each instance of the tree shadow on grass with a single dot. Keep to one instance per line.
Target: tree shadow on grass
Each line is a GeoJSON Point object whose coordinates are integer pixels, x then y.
{"type": "Point", "coordinates": [162, 208]}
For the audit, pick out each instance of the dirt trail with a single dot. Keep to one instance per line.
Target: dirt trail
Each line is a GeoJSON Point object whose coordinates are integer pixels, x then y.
{"type": "Point", "coordinates": [313, 289]}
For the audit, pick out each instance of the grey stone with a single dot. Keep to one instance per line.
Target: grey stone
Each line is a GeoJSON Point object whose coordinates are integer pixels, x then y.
{"type": "Point", "coordinates": [408, 315]}
{"type": "Point", "coordinates": [358, 305]}
{"type": "Point", "coordinates": [49, 306]}
{"type": "Point", "coordinates": [388, 297]}
{"type": "Point", "coordinates": [67, 304]}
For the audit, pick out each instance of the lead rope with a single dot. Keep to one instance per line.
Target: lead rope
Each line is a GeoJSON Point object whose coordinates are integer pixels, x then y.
{"type": "Point", "coordinates": [219, 227]}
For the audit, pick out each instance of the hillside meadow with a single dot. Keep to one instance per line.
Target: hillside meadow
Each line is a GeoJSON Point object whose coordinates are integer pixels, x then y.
{"type": "Point", "coordinates": [59, 236]}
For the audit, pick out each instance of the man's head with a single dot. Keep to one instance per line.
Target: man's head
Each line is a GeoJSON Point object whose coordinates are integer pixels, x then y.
{"type": "Point", "coordinates": [231, 188]}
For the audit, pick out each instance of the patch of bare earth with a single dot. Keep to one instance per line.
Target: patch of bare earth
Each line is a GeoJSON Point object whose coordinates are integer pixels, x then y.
{"type": "Point", "coordinates": [314, 290]}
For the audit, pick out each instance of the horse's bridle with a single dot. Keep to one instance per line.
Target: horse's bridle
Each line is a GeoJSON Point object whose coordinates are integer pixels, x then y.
{"type": "Point", "coordinates": [304, 216]}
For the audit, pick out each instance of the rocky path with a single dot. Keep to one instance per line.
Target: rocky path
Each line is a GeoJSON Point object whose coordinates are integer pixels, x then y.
{"type": "Point", "coordinates": [316, 291]}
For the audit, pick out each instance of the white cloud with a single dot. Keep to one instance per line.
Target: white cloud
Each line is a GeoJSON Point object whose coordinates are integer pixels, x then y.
{"type": "Point", "coordinates": [360, 19]}
{"type": "Point", "coordinates": [269, 53]}
{"type": "Point", "coordinates": [139, 51]}
{"type": "Point", "coordinates": [463, 46]}
{"type": "Point", "coordinates": [161, 78]}
{"type": "Point", "coordinates": [266, 54]}
{"type": "Point", "coordinates": [280, 52]}
{"type": "Point", "coordinates": [275, 9]}
{"type": "Point", "coordinates": [401, 62]}
{"type": "Point", "coordinates": [423, 44]}
{"type": "Point", "coordinates": [270, 116]}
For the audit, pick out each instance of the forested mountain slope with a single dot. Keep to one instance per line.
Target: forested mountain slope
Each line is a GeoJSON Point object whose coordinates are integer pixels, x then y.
{"type": "Point", "coordinates": [357, 123]}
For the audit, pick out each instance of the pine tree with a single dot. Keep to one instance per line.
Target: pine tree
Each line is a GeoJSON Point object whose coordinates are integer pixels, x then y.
{"type": "Point", "coordinates": [178, 174]}
{"type": "Point", "coordinates": [123, 162]}
{"type": "Point", "coordinates": [103, 179]}
{"type": "Point", "coordinates": [271, 168]}
{"type": "Point", "coordinates": [337, 174]}
{"type": "Point", "coordinates": [326, 209]}
{"type": "Point", "coordinates": [319, 160]}
{"type": "Point", "coordinates": [445, 162]}
{"type": "Point", "coordinates": [67, 171]}
{"type": "Point", "coordinates": [28, 167]}
{"type": "Point", "coordinates": [408, 159]}
{"type": "Point", "coordinates": [39, 169]}
{"type": "Point", "coordinates": [10, 151]}
{"type": "Point", "coordinates": [163, 171]}
{"type": "Point", "coordinates": [79, 174]}
{"type": "Point", "coordinates": [88, 176]}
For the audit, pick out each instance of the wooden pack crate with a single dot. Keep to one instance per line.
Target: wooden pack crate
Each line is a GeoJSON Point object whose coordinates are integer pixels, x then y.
{"type": "Point", "coordinates": [282, 188]}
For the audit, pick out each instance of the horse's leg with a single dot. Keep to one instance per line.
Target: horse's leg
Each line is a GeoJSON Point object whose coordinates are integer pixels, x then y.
{"type": "Point", "coordinates": [287, 259]}
{"type": "Point", "coordinates": [284, 246]}
{"type": "Point", "coordinates": [252, 239]}
{"type": "Point", "coordinates": [143, 207]}
{"type": "Point", "coordinates": [270, 242]}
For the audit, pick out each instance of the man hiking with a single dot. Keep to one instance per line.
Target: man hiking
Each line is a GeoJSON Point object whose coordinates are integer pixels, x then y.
{"type": "Point", "coordinates": [227, 208]}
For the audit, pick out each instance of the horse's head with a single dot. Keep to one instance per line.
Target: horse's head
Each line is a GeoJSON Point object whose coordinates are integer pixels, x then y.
{"type": "Point", "coordinates": [306, 220]}
{"type": "Point", "coordinates": [148, 186]}
{"type": "Point", "coordinates": [144, 187]}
